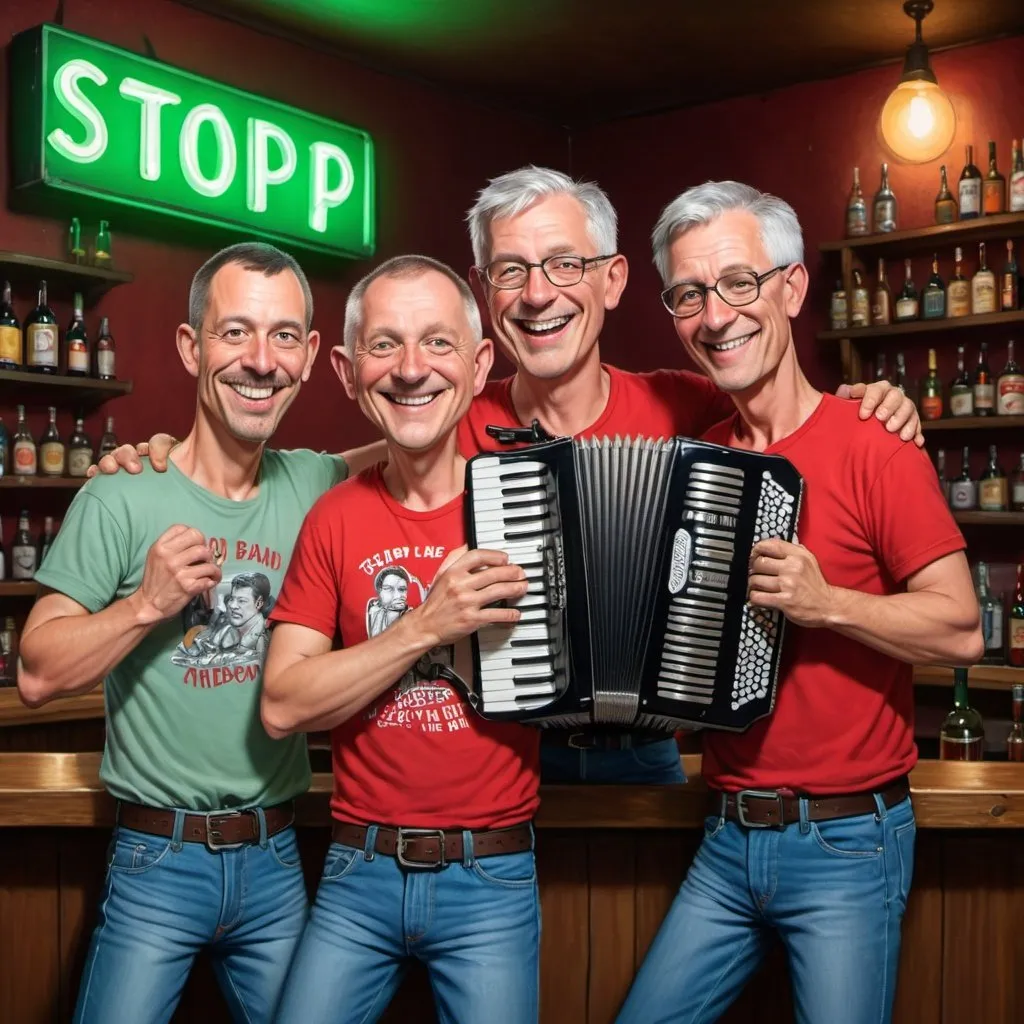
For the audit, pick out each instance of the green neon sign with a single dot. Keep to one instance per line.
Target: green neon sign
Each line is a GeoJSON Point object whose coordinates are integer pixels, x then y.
{"type": "Point", "coordinates": [92, 120]}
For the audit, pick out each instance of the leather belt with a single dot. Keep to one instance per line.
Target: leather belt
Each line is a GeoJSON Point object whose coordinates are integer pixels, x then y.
{"type": "Point", "coordinates": [756, 808]}
{"type": "Point", "coordinates": [219, 830]}
{"type": "Point", "coordinates": [434, 847]}
{"type": "Point", "coordinates": [593, 739]}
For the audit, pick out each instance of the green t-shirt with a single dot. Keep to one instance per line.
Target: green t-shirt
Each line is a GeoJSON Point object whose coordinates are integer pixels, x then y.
{"type": "Point", "coordinates": [183, 708]}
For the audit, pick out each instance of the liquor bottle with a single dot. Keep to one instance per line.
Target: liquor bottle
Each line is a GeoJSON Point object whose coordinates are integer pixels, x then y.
{"type": "Point", "coordinates": [983, 286]}
{"type": "Point", "coordinates": [856, 209]}
{"type": "Point", "coordinates": [958, 295]}
{"type": "Point", "coordinates": [1017, 178]}
{"type": "Point", "coordinates": [41, 336]}
{"type": "Point", "coordinates": [1009, 289]}
{"type": "Point", "coordinates": [840, 308]}
{"type": "Point", "coordinates": [970, 188]}
{"type": "Point", "coordinates": [933, 298]}
{"type": "Point", "coordinates": [993, 189]}
{"type": "Point", "coordinates": [76, 342]}
{"type": "Point", "coordinates": [961, 394]}
{"type": "Point", "coordinates": [1016, 628]}
{"type": "Point", "coordinates": [46, 541]}
{"type": "Point", "coordinates": [962, 735]}
{"type": "Point", "coordinates": [106, 352]}
{"type": "Point", "coordinates": [899, 378]}
{"type": "Point", "coordinates": [108, 442]}
{"type": "Point", "coordinates": [885, 205]}
{"type": "Point", "coordinates": [10, 333]}
{"type": "Point", "coordinates": [860, 306]}
{"type": "Point", "coordinates": [940, 469]}
{"type": "Point", "coordinates": [991, 619]}
{"type": "Point", "coordinates": [931, 391]}
{"type": "Point", "coordinates": [907, 300]}
{"type": "Point", "coordinates": [963, 491]}
{"type": "Point", "coordinates": [1010, 387]}
{"type": "Point", "coordinates": [984, 389]}
{"type": "Point", "coordinates": [23, 551]}
{"type": "Point", "coordinates": [993, 489]}
{"type": "Point", "coordinates": [5, 453]}
{"type": "Point", "coordinates": [1015, 739]}
{"type": "Point", "coordinates": [101, 256]}
{"type": "Point", "coordinates": [881, 300]}
{"type": "Point", "coordinates": [1017, 486]}
{"type": "Point", "coordinates": [9, 652]}
{"type": "Point", "coordinates": [945, 204]}
{"type": "Point", "coordinates": [76, 251]}
{"type": "Point", "coordinates": [24, 448]}
{"type": "Point", "coordinates": [79, 451]}
{"type": "Point", "coordinates": [881, 369]}
{"type": "Point", "coordinates": [51, 449]}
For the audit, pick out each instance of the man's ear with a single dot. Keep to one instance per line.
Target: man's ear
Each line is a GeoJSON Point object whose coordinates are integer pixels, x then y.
{"type": "Point", "coordinates": [312, 348]}
{"type": "Point", "coordinates": [188, 348]}
{"type": "Point", "coordinates": [618, 274]}
{"type": "Point", "coordinates": [343, 367]}
{"type": "Point", "coordinates": [796, 284]}
{"type": "Point", "coordinates": [483, 360]}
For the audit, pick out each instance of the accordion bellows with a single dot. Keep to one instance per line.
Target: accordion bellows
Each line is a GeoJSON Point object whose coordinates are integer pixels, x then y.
{"type": "Point", "coordinates": [637, 553]}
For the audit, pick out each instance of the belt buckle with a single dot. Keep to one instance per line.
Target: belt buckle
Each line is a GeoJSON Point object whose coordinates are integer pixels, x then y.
{"type": "Point", "coordinates": [213, 834]}
{"type": "Point", "coordinates": [405, 834]}
{"type": "Point", "coordinates": [581, 741]}
{"type": "Point", "coordinates": [760, 794]}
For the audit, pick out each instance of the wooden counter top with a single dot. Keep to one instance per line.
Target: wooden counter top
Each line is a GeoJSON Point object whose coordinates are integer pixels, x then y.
{"type": "Point", "coordinates": [64, 790]}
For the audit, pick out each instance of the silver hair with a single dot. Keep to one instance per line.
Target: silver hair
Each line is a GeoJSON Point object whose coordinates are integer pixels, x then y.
{"type": "Point", "coordinates": [259, 256]}
{"type": "Point", "coordinates": [407, 266]}
{"type": "Point", "coordinates": [512, 193]}
{"type": "Point", "coordinates": [780, 230]}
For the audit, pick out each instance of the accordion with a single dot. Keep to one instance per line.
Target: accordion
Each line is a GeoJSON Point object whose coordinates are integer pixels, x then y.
{"type": "Point", "coordinates": [636, 554]}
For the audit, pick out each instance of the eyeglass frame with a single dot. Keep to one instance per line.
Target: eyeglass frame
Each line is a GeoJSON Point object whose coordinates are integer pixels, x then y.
{"type": "Point", "coordinates": [759, 279]}
{"type": "Point", "coordinates": [585, 260]}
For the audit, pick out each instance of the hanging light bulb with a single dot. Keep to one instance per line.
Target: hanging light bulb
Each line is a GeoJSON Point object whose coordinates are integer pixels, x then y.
{"type": "Point", "coordinates": [918, 122]}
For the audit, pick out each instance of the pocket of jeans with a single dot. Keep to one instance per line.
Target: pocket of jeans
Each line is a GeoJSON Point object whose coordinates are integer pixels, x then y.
{"type": "Point", "coordinates": [285, 848]}
{"type": "Point", "coordinates": [860, 836]}
{"type": "Point", "coordinates": [340, 861]}
{"type": "Point", "coordinates": [133, 853]}
{"type": "Point", "coordinates": [906, 837]}
{"type": "Point", "coordinates": [713, 824]}
{"type": "Point", "coordinates": [512, 870]}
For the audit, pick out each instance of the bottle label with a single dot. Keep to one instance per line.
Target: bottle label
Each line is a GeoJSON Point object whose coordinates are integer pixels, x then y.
{"type": "Point", "coordinates": [1011, 395]}
{"type": "Point", "coordinates": [945, 212]}
{"type": "Point", "coordinates": [961, 403]}
{"type": "Point", "coordinates": [885, 216]}
{"type": "Point", "coordinates": [859, 311]}
{"type": "Point", "coordinates": [880, 313]}
{"type": "Point", "coordinates": [984, 294]}
{"type": "Point", "coordinates": [992, 196]}
{"type": "Point", "coordinates": [857, 219]}
{"type": "Point", "coordinates": [959, 298]}
{"type": "Point", "coordinates": [52, 453]}
{"type": "Point", "coordinates": [78, 358]}
{"type": "Point", "coordinates": [906, 309]}
{"type": "Point", "coordinates": [1008, 293]}
{"type": "Point", "coordinates": [23, 559]}
{"type": "Point", "coordinates": [963, 494]}
{"type": "Point", "coordinates": [42, 345]}
{"type": "Point", "coordinates": [1016, 637]}
{"type": "Point", "coordinates": [931, 407]}
{"type": "Point", "coordinates": [970, 196]}
{"type": "Point", "coordinates": [934, 304]}
{"type": "Point", "coordinates": [992, 628]}
{"type": "Point", "coordinates": [1018, 494]}
{"type": "Point", "coordinates": [24, 458]}
{"type": "Point", "coordinates": [992, 494]}
{"type": "Point", "coordinates": [840, 313]}
{"type": "Point", "coordinates": [105, 362]}
{"type": "Point", "coordinates": [984, 396]}
{"type": "Point", "coordinates": [79, 461]}
{"type": "Point", "coordinates": [10, 345]}
{"type": "Point", "coordinates": [1017, 192]}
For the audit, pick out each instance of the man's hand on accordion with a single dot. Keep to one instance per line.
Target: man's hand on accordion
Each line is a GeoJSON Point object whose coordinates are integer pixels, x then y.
{"type": "Point", "coordinates": [468, 592]}
{"type": "Point", "coordinates": [787, 577]}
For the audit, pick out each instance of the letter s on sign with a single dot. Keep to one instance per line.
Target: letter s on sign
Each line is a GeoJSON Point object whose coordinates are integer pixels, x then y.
{"type": "Point", "coordinates": [70, 96]}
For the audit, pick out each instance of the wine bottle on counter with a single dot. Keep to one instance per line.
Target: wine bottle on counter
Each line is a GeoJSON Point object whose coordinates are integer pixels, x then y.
{"type": "Point", "coordinates": [108, 442]}
{"type": "Point", "coordinates": [41, 336]}
{"type": "Point", "coordinates": [962, 735]}
{"type": "Point", "coordinates": [856, 209]}
{"type": "Point", "coordinates": [945, 204]}
{"type": "Point", "coordinates": [993, 189]}
{"type": "Point", "coordinates": [958, 295]}
{"type": "Point", "coordinates": [23, 551]}
{"type": "Point", "coordinates": [931, 391]}
{"type": "Point", "coordinates": [970, 188]}
{"type": "Point", "coordinates": [1015, 739]}
{"type": "Point", "coordinates": [1016, 202]}
{"type": "Point", "coordinates": [1009, 281]}
{"type": "Point", "coordinates": [79, 451]}
{"type": "Point", "coordinates": [106, 352]}
{"type": "Point", "coordinates": [961, 394]}
{"type": "Point", "coordinates": [24, 448]}
{"type": "Point", "coordinates": [993, 487]}
{"type": "Point", "coordinates": [984, 389]}
{"type": "Point", "coordinates": [10, 333]}
{"type": "Point", "coordinates": [76, 342]}
{"type": "Point", "coordinates": [933, 298]}
{"type": "Point", "coordinates": [963, 491]}
{"type": "Point", "coordinates": [881, 301]}
{"type": "Point", "coordinates": [991, 618]}
{"type": "Point", "coordinates": [983, 286]}
{"type": "Point", "coordinates": [907, 307]}
{"type": "Point", "coordinates": [885, 205]}
{"type": "Point", "coordinates": [52, 455]}
{"type": "Point", "coordinates": [1010, 387]}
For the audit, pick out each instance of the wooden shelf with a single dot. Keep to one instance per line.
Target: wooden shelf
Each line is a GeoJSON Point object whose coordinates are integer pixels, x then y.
{"type": "Point", "coordinates": [62, 482]}
{"type": "Point", "coordinates": [990, 518]}
{"type": "Point", "coordinates": [981, 677]}
{"type": "Point", "coordinates": [925, 239]}
{"type": "Point", "coordinates": [1015, 316]}
{"type": "Point", "coordinates": [62, 278]}
{"type": "Point", "coordinates": [68, 709]}
{"type": "Point", "coordinates": [51, 389]}
{"type": "Point", "coordinates": [18, 588]}
{"type": "Point", "coordinates": [973, 423]}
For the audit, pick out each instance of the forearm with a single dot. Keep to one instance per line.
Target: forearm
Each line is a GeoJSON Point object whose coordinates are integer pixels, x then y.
{"type": "Point", "coordinates": [922, 628]}
{"type": "Point", "coordinates": [317, 693]}
{"type": "Point", "coordinates": [70, 654]}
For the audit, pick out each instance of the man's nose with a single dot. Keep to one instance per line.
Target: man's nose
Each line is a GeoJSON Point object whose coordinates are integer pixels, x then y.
{"type": "Point", "coordinates": [538, 291]}
{"type": "Point", "coordinates": [718, 314]}
{"type": "Point", "coordinates": [412, 366]}
{"type": "Point", "coordinates": [259, 356]}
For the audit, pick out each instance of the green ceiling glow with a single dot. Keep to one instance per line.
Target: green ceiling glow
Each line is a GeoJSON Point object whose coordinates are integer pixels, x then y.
{"type": "Point", "coordinates": [100, 122]}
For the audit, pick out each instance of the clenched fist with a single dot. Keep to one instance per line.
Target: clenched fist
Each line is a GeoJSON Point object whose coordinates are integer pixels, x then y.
{"type": "Point", "coordinates": [787, 577]}
{"type": "Point", "coordinates": [179, 566]}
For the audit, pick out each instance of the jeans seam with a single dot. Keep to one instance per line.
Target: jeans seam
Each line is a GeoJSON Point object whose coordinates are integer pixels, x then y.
{"type": "Point", "coordinates": [83, 995]}
{"type": "Point", "coordinates": [238, 995]}
{"type": "Point", "coordinates": [714, 988]}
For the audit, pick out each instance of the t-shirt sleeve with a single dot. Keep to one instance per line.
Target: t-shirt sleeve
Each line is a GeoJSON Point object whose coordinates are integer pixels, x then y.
{"type": "Point", "coordinates": [334, 468]}
{"type": "Point", "coordinates": [89, 557]}
{"type": "Point", "coordinates": [909, 521]}
{"type": "Point", "coordinates": [310, 595]}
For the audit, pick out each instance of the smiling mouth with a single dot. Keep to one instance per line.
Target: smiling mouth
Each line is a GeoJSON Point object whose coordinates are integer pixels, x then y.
{"type": "Point", "coordinates": [411, 400]}
{"type": "Point", "coordinates": [254, 394]}
{"type": "Point", "coordinates": [542, 328]}
{"type": "Point", "coordinates": [730, 344]}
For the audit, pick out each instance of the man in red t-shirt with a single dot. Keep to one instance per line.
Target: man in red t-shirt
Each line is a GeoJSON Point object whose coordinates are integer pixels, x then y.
{"type": "Point", "coordinates": [810, 831]}
{"type": "Point", "coordinates": [432, 855]}
{"type": "Point", "coordinates": [546, 254]}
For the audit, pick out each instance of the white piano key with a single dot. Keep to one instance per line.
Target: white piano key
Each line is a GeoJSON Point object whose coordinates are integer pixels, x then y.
{"type": "Point", "coordinates": [503, 693]}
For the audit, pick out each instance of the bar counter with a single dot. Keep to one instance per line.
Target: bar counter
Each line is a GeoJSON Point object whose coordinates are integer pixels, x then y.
{"type": "Point", "coordinates": [610, 860]}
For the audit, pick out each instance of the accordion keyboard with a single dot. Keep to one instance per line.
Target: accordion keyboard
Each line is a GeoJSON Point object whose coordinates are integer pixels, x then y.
{"type": "Point", "coordinates": [515, 511]}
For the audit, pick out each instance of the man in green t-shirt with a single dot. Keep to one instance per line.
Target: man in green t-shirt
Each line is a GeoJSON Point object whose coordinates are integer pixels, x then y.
{"type": "Point", "coordinates": [161, 584]}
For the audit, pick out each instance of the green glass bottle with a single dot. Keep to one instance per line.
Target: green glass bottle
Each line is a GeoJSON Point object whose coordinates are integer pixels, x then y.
{"type": "Point", "coordinates": [962, 736]}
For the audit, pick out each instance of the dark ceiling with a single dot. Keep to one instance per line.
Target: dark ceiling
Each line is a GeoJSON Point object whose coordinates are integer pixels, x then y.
{"type": "Point", "coordinates": [583, 61]}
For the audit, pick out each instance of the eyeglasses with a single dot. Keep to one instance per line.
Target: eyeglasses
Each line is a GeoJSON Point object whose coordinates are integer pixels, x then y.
{"type": "Point", "coordinates": [739, 289]}
{"type": "Point", "coordinates": [561, 271]}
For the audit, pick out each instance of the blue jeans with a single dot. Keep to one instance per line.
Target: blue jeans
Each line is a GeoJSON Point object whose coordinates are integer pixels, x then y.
{"type": "Point", "coordinates": [834, 892]}
{"type": "Point", "coordinates": [475, 924]}
{"type": "Point", "coordinates": [164, 900]}
{"type": "Point", "coordinates": [652, 763]}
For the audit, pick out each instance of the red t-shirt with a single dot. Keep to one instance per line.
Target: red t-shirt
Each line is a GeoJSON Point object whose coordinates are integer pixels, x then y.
{"type": "Point", "coordinates": [418, 756]}
{"type": "Point", "coordinates": [664, 403]}
{"type": "Point", "coordinates": [872, 515]}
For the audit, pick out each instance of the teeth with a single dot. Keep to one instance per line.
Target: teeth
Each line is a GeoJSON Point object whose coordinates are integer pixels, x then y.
{"type": "Point", "coordinates": [254, 393]}
{"type": "Point", "coordinates": [546, 325]}
{"type": "Point", "coordinates": [725, 346]}
{"type": "Point", "coordinates": [412, 399]}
